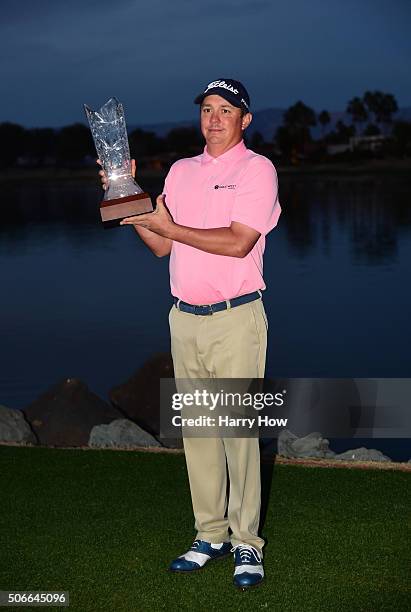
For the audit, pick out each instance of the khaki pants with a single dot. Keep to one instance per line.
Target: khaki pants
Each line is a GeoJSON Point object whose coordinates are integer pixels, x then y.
{"type": "Point", "coordinates": [228, 344]}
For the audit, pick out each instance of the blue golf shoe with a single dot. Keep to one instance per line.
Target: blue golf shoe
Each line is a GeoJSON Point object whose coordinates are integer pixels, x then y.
{"type": "Point", "coordinates": [199, 554]}
{"type": "Point", "coordinates": [249, 569]}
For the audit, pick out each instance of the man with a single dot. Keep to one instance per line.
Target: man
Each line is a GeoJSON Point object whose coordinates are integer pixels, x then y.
{"type": "Point", "coordinates": [212, 218]}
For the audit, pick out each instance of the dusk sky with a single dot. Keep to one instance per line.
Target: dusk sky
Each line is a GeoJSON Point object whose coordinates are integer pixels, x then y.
{"type": "Point", "coordinates": [157, 55]}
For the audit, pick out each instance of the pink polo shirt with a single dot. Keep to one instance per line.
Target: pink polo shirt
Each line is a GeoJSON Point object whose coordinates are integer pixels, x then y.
{"type": "Point", "coordinates": [207, 192]}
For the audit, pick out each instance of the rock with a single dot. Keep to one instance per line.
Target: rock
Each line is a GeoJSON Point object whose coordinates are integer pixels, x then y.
{"type": "Point", "coordinates": [324, 405]}
{"type": "Point", "coordinates": [362, 454]}
{"type": "Point", "coordinates": [120, 433]}
{"type": "Point", "coordinates": [14, 427]}
{"type": "Point", "coordinates": [139, 397]}
{"type": "Point", "coordinates": [66, 414]}
{"type": "Point", "coordinates": [312, 445]}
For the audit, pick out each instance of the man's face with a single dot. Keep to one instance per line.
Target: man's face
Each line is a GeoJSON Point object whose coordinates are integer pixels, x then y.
{"type": "Point", "coordinates": [221, 122]}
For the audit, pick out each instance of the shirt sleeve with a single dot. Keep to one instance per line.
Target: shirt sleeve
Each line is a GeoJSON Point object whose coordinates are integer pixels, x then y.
{"type": "Point", "coordinates": [256, 203]}
{"type": "Point", "coordinates": [168, 190]}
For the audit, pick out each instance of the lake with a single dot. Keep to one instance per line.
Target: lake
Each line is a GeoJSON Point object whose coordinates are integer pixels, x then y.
{"type": "Point", "coordinates": [80, 301]}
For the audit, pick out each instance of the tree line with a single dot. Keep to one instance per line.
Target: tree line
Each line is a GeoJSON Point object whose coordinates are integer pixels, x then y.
{"type": "Point", "coordinates": [372, 114]}
{"type": "Point", "coordinates": [73, 144]}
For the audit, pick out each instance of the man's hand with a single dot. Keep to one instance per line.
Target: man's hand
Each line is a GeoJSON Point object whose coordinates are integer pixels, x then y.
{"type": "Point", "coordinates": [159, 245]}
{"type": "Point", "coordinates": [160, 221]}
{"type": "Point", "coordinates": [234, 241]}
{"type": "Point", "coordinates": [104, 177]}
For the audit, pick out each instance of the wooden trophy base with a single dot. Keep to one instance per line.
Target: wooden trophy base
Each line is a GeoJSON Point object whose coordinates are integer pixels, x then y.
{"type": "Point", "coordinates": [114, 211]}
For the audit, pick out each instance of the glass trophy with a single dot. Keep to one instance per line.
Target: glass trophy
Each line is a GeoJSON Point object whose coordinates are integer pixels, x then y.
{"type": "Point", "coordinates": [123, 197]}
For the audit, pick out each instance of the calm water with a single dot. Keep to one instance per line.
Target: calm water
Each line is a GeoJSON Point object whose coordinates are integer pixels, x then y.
{"type": "Point", "coordinates": [78, 301]}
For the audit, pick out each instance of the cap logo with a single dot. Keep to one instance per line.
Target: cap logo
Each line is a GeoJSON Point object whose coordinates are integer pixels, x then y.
{"type": "Point", "coordinates": [222, 84]}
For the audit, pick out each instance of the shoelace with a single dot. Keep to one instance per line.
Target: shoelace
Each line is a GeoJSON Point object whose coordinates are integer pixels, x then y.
{"type": "Point", "coordinates": [196, 543]}
{"type": "Point", "coordinates": [246, 551]}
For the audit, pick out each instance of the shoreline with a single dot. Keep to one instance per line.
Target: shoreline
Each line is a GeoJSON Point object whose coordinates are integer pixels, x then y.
{"type": "Point", "coordinates": [339, 169]}
{"type": "Point", "coordinates": [312, 462]}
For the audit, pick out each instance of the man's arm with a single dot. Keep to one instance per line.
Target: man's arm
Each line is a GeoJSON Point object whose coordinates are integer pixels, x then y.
{"type": "Point", "coordinates": [159, 245]}
{"type": "Point", "coordinates": [234, 241]}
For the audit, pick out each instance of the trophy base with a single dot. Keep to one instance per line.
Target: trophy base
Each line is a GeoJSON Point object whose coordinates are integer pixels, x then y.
{"type": "Point", "coordinates": [114, 211]}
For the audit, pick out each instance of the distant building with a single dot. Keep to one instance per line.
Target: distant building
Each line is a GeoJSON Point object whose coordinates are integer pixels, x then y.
{"type": "Point", "coordinates": [358, 143]}
{"type": "Point", "coordinates": [335, 149]}
{"type": "Point", "coordinates": [367, 143]}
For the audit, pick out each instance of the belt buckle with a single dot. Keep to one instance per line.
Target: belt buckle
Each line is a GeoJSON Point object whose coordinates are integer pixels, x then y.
{"type": "Point", "coordinates": [210, 310]}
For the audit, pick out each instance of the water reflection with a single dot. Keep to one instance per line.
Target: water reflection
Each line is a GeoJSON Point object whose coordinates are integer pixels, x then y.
{"type": "Point", "coordinates": [72, 292]}
{"type": "Point", "coordinates": [371, 213]}
{"type": "Point", "coordinates": [317, 213]}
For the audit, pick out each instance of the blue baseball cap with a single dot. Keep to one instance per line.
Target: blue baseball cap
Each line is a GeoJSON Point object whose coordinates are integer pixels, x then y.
{"type": "Point", "coordinates": [229, 89]}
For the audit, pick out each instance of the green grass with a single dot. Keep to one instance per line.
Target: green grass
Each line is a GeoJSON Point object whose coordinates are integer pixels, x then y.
{"type": "Point", "coordinates": [104, 526]}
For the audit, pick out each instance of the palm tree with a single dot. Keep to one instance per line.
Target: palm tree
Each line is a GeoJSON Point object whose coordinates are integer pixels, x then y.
{"type": "Point", "coordinates": [300, 115]}
{"type": "Point", "coordinates": [356, 108]}
{"type": "Point", "coordinates": [285, 140]}
{"type": "Point", "coordinates": [344, 132]}
{"type": "Point", "coordinates": [324, 118]}
{"type": "Point", "coordinates": [382, 105]}
{"type": "Point", "coordinates": [299, 118]}
{"type": "Point", "coordinates": [372, 101]}
{"type": "Point", "coordinates": [388, 107]}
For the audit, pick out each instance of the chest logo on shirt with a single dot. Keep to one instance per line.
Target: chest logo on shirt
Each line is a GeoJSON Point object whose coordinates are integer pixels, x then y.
{"type": "Point", "coordinates": [225, 186]}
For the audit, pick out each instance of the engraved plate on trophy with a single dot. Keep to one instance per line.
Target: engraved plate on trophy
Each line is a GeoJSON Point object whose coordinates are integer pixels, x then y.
{"type": "Point", "coordinates": [123, 198]}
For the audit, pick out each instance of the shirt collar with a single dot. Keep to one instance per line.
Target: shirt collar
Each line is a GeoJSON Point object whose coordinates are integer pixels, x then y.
{"type": "Point", "coordinates": [231, 155]}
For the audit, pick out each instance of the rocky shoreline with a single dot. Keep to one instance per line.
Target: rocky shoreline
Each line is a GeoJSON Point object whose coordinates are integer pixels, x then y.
{"type": "Point", "coordinates": [70, 415]}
